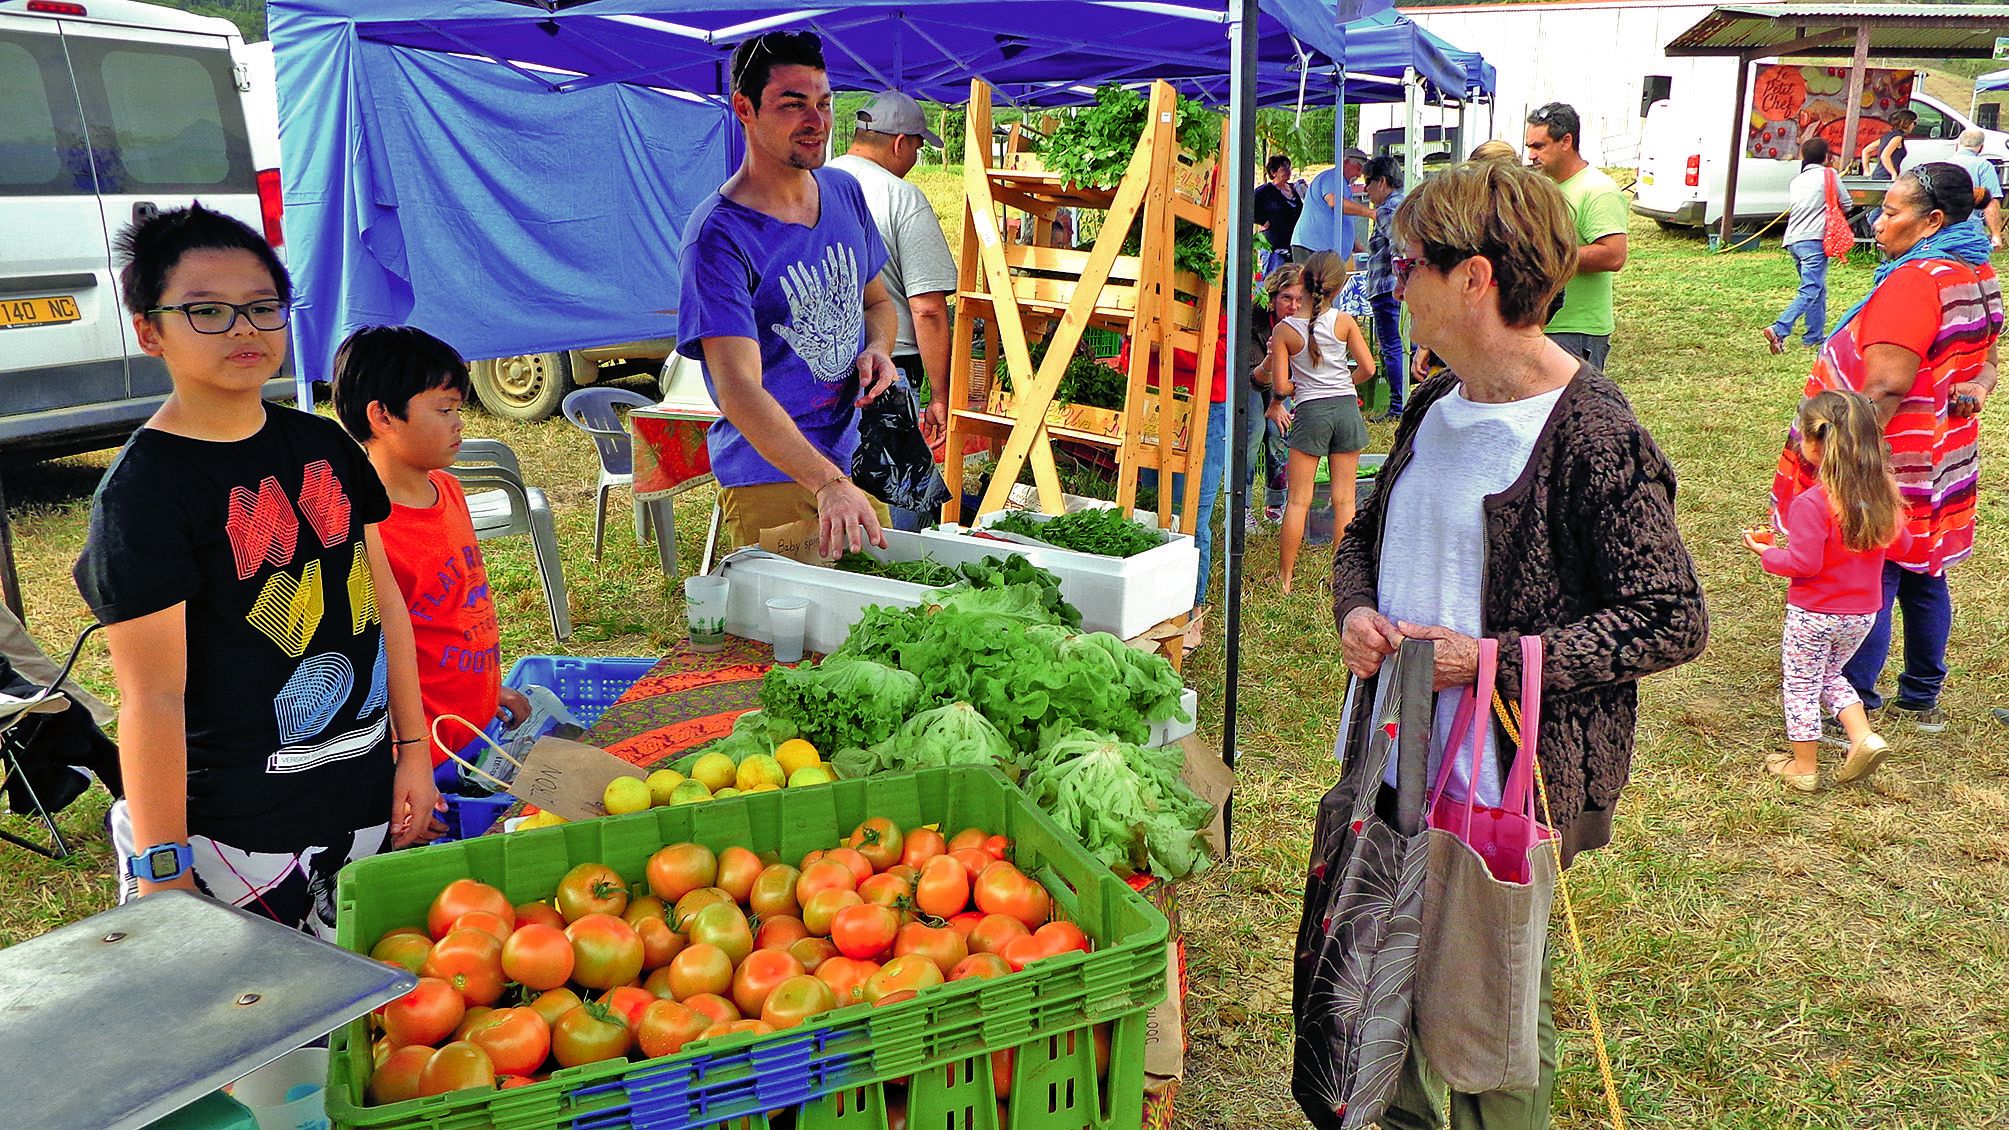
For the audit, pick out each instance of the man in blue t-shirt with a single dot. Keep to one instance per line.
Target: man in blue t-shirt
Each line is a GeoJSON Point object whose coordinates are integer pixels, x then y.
{"type": "Point", "coordinates": [782, 303]}
{"type": "Point", "coordinates": [1330, 211]}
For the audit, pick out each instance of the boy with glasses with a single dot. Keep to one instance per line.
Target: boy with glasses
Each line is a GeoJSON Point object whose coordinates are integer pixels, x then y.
{"type": "Point", "coordinates": [269, 721]}
{"type": "Point", "coordinates": [782, 303]}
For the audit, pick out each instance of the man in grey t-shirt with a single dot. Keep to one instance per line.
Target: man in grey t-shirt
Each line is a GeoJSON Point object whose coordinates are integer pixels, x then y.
{"type": "Point", "coordinates": [921, 273]}
{"type": "Point", "coordinates": [1806, 224]}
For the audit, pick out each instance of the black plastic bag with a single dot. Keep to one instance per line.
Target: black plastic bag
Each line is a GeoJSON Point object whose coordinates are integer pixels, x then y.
{"type": "Point", "coordinates": [893, 463]}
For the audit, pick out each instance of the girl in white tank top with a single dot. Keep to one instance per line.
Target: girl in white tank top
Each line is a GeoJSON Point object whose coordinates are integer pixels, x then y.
{"type": "Point", "coordinates": [1308, 361]}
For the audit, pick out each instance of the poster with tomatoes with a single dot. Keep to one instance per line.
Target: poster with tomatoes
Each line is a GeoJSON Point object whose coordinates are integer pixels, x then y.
{"type": "Point", "coordinates": [1791, 104]}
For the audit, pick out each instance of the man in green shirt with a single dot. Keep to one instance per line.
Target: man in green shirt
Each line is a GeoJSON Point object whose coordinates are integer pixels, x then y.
{"type": "Point", "coordinates": [1584, 323]}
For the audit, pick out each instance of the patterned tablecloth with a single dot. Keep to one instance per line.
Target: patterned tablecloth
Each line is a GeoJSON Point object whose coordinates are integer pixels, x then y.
{"type": "Point", "coordinates": [687, 699]}
{"type": "Point", "coordinates": [670, 451]}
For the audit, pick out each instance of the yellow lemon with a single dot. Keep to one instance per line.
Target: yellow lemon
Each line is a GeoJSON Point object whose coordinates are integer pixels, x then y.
{"type": "Point", "coordinates": [692, 791]}
{"type": "Point", "coordinates": [795, 753]}
{"type": "Point", "coordinates": [763, 787]}
{"type": "Point", "coordinates": [541, 820]}
{"type": "Point", "coordinates": [624, 795]}
{"type": "Point", "coordinates": [715, 770]}
{"type": "Point", "coordinates": [723, 793]}
{"type": "Point", "coordinates": [661, 784]}
{"type": "Point", "coordinates": [757, 768]}
{"type": "Point", "coordinates": [818, 774]}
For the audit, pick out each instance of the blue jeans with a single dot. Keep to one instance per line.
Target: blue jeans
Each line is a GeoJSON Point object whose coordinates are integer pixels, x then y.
{"type": "Point", "coordinates": [1388, 347]}
{"type": "Point", "coordinates": [1928, 620]}
{"type": "Point", "coordinates": [1812, 300]}
{"type": "Point", "coordinates": [1212, 470]}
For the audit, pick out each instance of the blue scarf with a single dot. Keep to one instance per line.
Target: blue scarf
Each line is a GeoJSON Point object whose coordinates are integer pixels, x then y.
{"type": "Point", "coordinates": [1960, 241]}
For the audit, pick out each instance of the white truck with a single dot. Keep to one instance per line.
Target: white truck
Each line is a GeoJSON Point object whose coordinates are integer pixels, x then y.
{"type": "Point", "coordinates": [1684, 157]}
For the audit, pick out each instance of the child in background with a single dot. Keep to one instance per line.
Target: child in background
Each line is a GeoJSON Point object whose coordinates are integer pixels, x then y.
{"type": "Point", "coordinates": [233, 554]}
{"type": "Point", "coordinates": [1837, 534]}
{"type": "Point", "coordinates": [1308, 362]}
{"type": "Point", "coordinates": [399, 391]}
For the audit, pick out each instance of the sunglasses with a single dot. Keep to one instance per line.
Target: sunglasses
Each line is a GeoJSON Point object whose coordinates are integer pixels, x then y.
{"type": "Point", "coordinates": [765, 43]}
{"type": "Point", "coordinates": [266, 314]}
{"type": "Point", "coordinates": [1402, 265]}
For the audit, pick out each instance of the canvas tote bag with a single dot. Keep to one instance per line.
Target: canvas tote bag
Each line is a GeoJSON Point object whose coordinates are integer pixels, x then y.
{"type": "Point", "coordinates": [1490, 882]}
{"type": "Point", "coordinates": [1354, 970]}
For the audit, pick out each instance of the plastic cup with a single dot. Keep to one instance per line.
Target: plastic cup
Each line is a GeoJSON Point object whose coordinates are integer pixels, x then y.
{"type": "Point", "coordinates": [286, 1094]}
{"type": "Point", "coordinates": [704, 610]}
{"type": "Point", "coordinates": [787, 619]}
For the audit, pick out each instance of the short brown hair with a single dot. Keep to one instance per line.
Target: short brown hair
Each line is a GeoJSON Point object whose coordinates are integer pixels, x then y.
{"type": "Point", "coordinates": [1514, 217]}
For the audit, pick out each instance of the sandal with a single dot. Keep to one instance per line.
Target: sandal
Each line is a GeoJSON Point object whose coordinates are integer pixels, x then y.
{"type": "Point", "coordinates": [1864, 756]}
{"type": "Point", "coordinates": [1776, 764]}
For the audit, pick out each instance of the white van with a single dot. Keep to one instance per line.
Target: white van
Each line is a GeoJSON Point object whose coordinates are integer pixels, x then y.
{"type": "Point", "coordinates": [1684, 153]}
{"type": "Point", "coordinates": [113, 109]}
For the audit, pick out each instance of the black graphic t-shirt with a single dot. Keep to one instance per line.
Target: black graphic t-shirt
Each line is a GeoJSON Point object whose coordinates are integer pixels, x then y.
{"type": "Point", "coordinates": [288, 692]}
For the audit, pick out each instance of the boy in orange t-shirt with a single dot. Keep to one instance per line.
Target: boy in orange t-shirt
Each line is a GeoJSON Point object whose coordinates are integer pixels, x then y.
{"type": "Point", "coordinates": [399, 391]}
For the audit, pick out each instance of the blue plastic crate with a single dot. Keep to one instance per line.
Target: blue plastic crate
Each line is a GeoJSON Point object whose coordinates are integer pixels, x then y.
{"type": "Point", "coordinates": [587, 686]}
{"type": "Point", "coordinates": [471, 816]}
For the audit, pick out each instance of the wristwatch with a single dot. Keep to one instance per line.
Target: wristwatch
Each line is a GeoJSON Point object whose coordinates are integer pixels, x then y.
{"type": "Point", "coordinates": [161, 863]}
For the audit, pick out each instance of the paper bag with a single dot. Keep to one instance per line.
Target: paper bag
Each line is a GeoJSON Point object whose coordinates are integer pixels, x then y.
{"type": "Point", "coordinates": [568, 777]}
{"type": "Point", "coordinates": [796, 541]}
{"type": "Point", "coordinates": [1212, 781]}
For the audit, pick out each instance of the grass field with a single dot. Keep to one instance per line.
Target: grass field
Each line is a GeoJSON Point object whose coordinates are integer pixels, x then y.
{"type": "Point", "coordinates": [1760, 960]}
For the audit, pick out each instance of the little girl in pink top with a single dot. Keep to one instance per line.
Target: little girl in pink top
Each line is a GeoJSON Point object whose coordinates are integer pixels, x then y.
{"type": "Point", "coordinates": [1836, 536]}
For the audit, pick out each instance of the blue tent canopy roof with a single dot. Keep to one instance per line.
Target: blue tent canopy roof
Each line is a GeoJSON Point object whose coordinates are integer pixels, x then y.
{"type": "Point", "coordinates": [1993, 80]}
{"type": "Point", "coordinates": [1387, 43]}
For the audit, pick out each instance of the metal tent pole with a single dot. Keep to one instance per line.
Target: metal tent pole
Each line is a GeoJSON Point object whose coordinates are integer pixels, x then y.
{"type": "Point", "coordinates": [1241, 260]}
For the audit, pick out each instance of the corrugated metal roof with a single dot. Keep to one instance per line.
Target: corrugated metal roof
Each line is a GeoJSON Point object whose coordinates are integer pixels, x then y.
{"type": "Point", "coordinates": [1909, 30]}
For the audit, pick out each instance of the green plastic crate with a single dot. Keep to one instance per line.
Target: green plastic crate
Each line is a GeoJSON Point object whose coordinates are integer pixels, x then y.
{"type": "Point", "coordinates": [834, 1073]}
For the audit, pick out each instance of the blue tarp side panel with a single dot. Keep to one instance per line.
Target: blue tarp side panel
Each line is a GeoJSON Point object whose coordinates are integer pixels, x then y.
{"type": "Point", "coordinates": [1993, 80]}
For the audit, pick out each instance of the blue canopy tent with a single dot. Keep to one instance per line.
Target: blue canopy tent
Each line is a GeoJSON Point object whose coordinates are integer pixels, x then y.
{"type": "Point", "coordinates": [1993, 80]}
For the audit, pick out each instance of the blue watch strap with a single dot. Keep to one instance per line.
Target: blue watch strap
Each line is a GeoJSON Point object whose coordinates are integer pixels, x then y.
{"type": "Point", "coordinates": [161, 863]}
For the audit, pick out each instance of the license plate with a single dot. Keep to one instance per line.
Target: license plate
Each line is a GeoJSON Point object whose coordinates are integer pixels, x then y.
{"type": "Point", "coordinates": [15, 312]}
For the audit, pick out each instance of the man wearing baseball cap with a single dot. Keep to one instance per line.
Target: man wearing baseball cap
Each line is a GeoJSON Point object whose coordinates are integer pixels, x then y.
{"type": "Point", "coordinates": [919, 272]}
{"type": "Point", "coordinates": [1330, 211]}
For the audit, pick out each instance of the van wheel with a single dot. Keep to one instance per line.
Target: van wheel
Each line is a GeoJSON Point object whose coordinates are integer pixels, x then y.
{"type": "Point", "coordinates": [528, 387]}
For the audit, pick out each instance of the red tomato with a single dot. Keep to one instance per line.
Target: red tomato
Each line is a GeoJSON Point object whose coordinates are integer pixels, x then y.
{"type": "Point", "coordinates": [517, 1040]}
{"type": "Point", "coordinates": [922, 845]}
{"type": "Point", "coordinates": [463, 896]}
{"type": "Point", "coordinates": [397, 1078]}
{"type": "Point", "coordinates": [888, 890]}
{"type": "Point", "coordinates": [974, 860]}
{"type": "Point", "coordinates": [1021, 952]}
{"type": "Point", "coordinates": [823, 906]}
{"type": "Point", "coordinates": [968, 838]}
{"type": "Point", "coordinates": [688, 906]}
{"type": "Point", "coordinates": [722, 925]}
{"type": "Point", "coordinates": [938, 944]}
{"type": "Point", "coordinates": [643, 907]}
{"type": "Point", "coordinates": [795, 1000]}
{"type": "Point", "coordinates": [470, 961]}
{"type": "Point", "coordinates": [965, 923]}
{"type": "Point", "coordinates": [997, 847]}
{"type": "Point", "coordinates": [591, 888]}
{"type": "Point", "coordinates": [910, 973]}
{"type": "Point", "coordinates": [986, 966]}
{"type": "Point", "coordinates": [779, 933]}
{"type": "Point", "coordinates": [944, 889]}
{"type": "Point", "coordinates": [538, 957]}
{"type": "Point", "coordinates": [628, 1001]}
{"type": "Point", "coordinates": [993, 931]}
{"type": "Point", "coordinates": [701, 968]}
{"type": "Point", "coordinates": [813, 952]}
{"type": "Point", "coordinates": [667, 1026]}
{"type": "Point", "coordinates": [459, 1066]}
{"type": "Point", "coordinates": [713, 1007]}
{"type": "Point", "coordinates": [737, 869]}
{"type": "Point", "coordinates": [758, 975]}
{"type": "Point", "coordinates": [773, 892]}
{"type": "Point", "coordinates": [406, 951]}
{"type": "Point", "coordinates": [1101, 1034]}
{"type": "Point", "coordinates": [864, 931]}
{"type": "Point", "coordinates": [658, 984]}
{"type": "Point", "coordinates": [679, 869]}
{"type": "Point", "coordinates": [901, 870]}
{"type": "Point", "coordinates": [605, 951]}
{"type": "Point", "coordinates": [846, 978]}
{"type": "Point", "coordinates": [1001, 1074]}
{"type": "Point", "coordinates": [588, 1034]}
{"type": "Point", "coordinates": [1002, 889]}
{"type": "Point", "coordinates": [824, 875]}
{"type": "Point", "coordinates": [542, 913]}
{"type": "Point", "coordinates": [1062, 937]}
{"type": "Point", "coordinates": [897, 996]}
{"type": "Point", "coordinates": [510, 1082]}
{"type": "Point", "coordinates": [659, 942]}
{"type": "Point", "coordinates": [469, 1019]}
{"type": "Point", "coordinates": [499, 926]}
{"type": "Point", "coordinates": [554, 1004]}
{"type": "Point", "coordinates": [879, 840]}
{"type": "Point", "coordinates": [861, 867]}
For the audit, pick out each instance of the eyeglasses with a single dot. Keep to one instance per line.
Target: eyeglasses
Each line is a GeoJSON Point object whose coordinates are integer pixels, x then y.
{"type": "Point", "coordinates": [219, 317]}
{"type": "Point", "coordinates": [1402, 265]}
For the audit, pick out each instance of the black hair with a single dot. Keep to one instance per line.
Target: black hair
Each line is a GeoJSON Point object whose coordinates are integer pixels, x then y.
{"type": "Point", "coordinates": [754, 59]}
{"type": "Point", "coordinates": [146, 250]}
{"type": "Point", "coordinates": [1814, 151]}
{"type": "Point", "coordinates": [391, 364]}
{"type": "Point", "coordinates": [1384, 167]}
{"type": "Point", "coordinates": [1946, 187]}
{"type": "Point", "coordinates": [1276, 161]}
{"type": "Point", "coordinates": [1560, 119]}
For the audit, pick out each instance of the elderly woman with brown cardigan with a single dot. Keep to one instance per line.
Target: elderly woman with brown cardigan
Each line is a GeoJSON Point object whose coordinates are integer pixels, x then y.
{"type": "Point", "coordinates": [1521, 495]}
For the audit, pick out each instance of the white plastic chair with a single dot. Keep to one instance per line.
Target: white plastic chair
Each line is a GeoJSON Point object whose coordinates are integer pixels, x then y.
{"type": "Point", "coordinates": [503, 506]}
{"type": "Point", "coordinates": [597, 412]}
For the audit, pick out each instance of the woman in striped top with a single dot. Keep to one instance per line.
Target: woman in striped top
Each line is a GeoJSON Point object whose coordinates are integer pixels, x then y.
{"type": "Point", "coordinates": [1923, 348]}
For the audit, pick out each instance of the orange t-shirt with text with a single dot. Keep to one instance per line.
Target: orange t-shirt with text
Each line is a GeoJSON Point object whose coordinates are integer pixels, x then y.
{"type": "Point", "coordinates": [438, 566]}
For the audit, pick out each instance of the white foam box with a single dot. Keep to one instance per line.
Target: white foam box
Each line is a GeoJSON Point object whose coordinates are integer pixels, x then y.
{"type": "Point", "coordinates": [1165, 733]}
{"type": "Point", "coordinates": [1124, 596]}
{"type": "Point", "coordinates": [837, 599]}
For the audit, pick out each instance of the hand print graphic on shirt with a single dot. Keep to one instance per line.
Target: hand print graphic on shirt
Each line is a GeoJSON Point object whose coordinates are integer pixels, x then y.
{"type": "Point", "coordinates": [826, 313]}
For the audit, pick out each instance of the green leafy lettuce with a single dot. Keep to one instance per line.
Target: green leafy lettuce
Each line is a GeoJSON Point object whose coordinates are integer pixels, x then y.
{"type": "Point", "coordinates": [956, 734]}
{"type": "Point", "coordinates": [1127, 805]}
{"type": "Point", "coordinates": [841, 702]}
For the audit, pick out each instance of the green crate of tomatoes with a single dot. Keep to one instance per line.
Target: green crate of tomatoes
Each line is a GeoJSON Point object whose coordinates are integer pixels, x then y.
{"type": "Point", "coordinates": [923, 948]}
